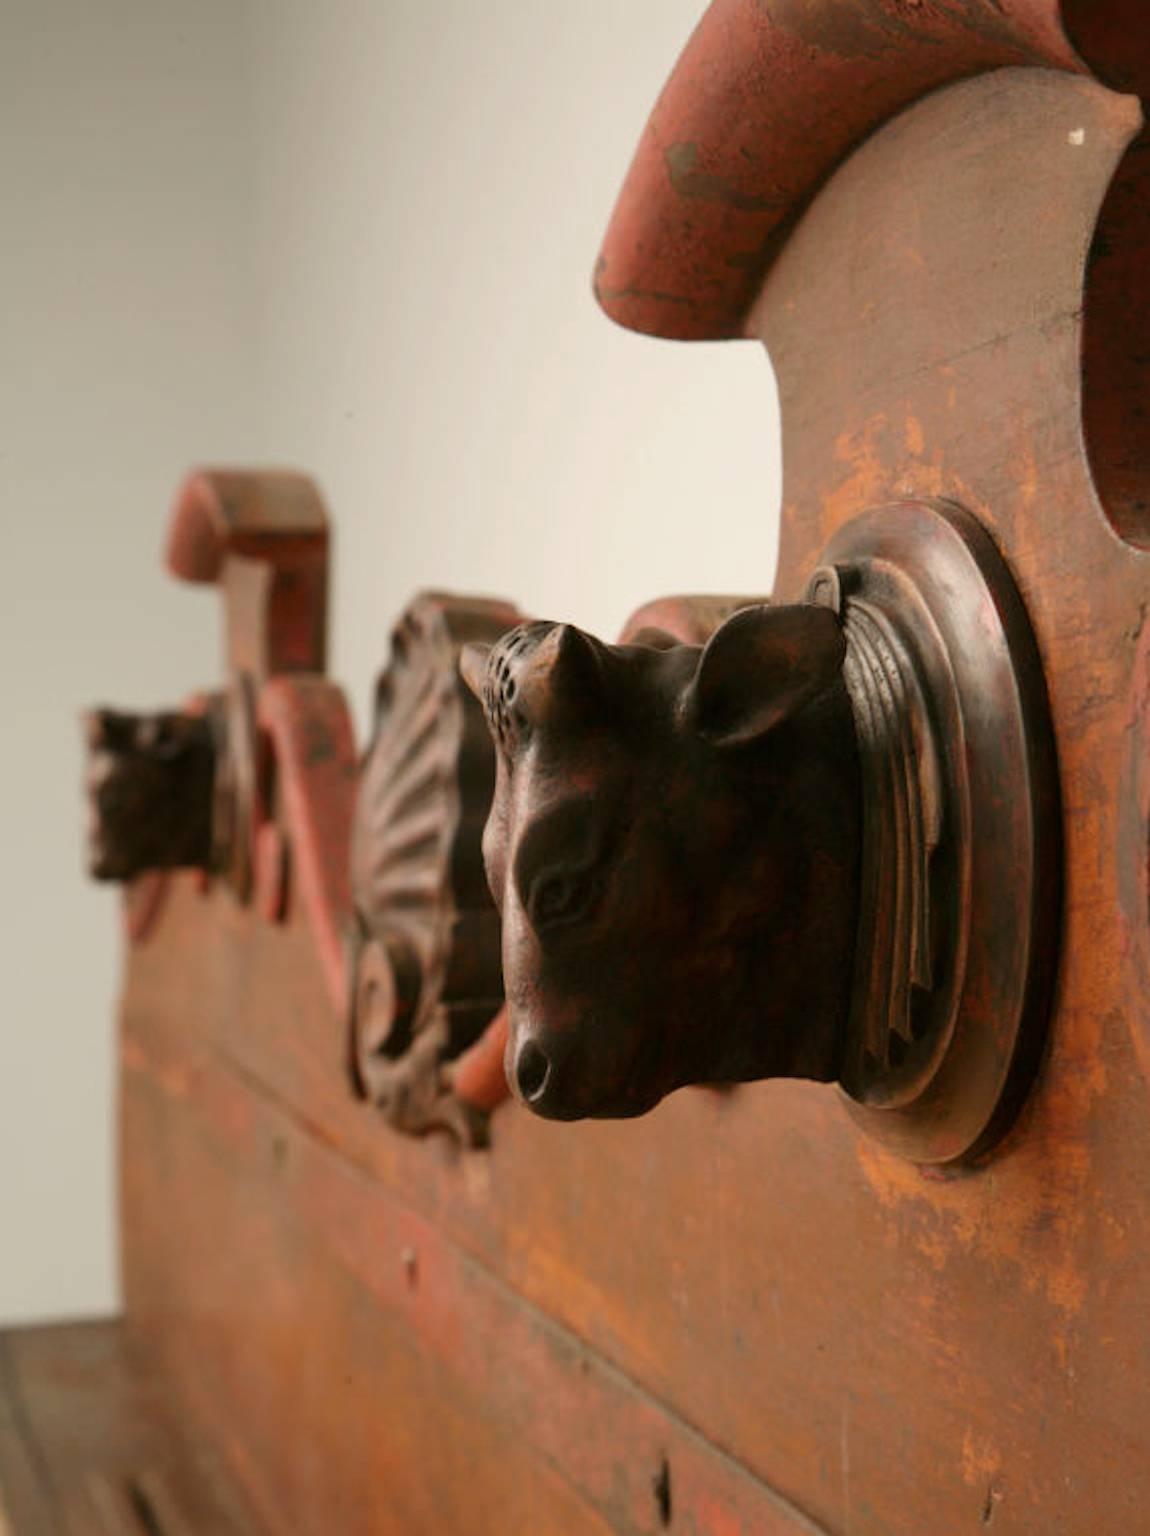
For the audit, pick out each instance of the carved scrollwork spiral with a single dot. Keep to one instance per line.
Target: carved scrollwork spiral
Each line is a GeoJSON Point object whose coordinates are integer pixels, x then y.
{"type": "Point", "coordinates": [426, 978]}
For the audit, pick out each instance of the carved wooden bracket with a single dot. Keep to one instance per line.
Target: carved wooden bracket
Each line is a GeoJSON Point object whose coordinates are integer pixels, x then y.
{"type": "Point", "coordinates": [257, 787]}
{"type": "Point", "coordinates": [200, 789]}
{"type": "Point", "coordinates": [823, 844]}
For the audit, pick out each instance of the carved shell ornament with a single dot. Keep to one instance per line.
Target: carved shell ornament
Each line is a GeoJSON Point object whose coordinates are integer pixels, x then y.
{"type": "Point", "coordinates": [426, 975]}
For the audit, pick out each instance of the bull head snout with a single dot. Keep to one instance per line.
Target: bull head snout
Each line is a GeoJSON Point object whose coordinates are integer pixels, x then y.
{"type": "Point", "coordinates": [543, 1075]}
{"type": "Point", "coordinates": [561, 1076]}
{"type": "Point", "coordinates": [549, 1079]}
{"type": "Point", "coordinates": [532, 1069]}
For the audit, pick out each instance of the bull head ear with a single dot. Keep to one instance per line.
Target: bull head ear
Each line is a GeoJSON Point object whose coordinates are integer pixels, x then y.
{"type": "Point", "coordinates": [762, 666]}
{"type": "Point", "coordinates": [473, 666]}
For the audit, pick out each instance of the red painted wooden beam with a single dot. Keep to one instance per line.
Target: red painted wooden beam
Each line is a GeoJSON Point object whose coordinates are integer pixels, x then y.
{"type": "Point", "coordinates": [263, 538]}
{"type": "Point", "coordinates": [316, 764]}
{"type": "Point", "coordinates": [770, 96]}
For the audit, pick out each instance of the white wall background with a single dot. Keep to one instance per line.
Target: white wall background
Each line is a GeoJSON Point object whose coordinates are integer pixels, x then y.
{"type": "Point", "coordinates": [356, 237]}
{"type": "Point", "coordinates": [127, 344]}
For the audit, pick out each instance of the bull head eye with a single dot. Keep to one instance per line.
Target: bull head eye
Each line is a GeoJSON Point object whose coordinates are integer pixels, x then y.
{"type": "Point", "coordinates": [558, 897]}
{"type": "Point", "coordinates": [558, 863]}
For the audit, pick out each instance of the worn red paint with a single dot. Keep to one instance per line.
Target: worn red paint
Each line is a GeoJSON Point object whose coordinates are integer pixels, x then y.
{"type": "Point", "coordinates": [765, 101]}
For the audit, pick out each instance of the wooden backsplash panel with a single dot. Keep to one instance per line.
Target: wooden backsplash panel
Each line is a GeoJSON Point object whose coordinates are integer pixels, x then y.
{"type": "Point", "coordinates": [736, 1313]}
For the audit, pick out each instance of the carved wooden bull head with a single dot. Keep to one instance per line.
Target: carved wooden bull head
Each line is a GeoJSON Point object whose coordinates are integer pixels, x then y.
{"type": "Point", "coordinates": [150, 782]}
{"type": "Point", "coordinates": [673, 845]}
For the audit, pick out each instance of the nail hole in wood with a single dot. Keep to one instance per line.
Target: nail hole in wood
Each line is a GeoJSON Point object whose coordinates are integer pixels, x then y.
{"type": "Point", "coordinates": [144, 1510]}
{"type": "Point", "coordinates": [661, 1486]}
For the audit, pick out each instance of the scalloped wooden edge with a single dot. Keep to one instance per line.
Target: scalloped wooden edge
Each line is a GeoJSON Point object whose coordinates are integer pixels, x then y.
{"type": "Point", "coordinates": [769, 96]}
{"type": "Point", "coordinates": [263, 514]}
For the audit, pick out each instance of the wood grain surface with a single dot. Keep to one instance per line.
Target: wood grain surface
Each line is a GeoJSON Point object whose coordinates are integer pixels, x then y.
{"type": "Point", "coordinates": [89, 1445]}
{"type": "Point", "coordinates": [736, 1314]}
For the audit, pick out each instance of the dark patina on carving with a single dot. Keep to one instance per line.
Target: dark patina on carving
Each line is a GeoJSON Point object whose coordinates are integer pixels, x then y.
{"type": "Point", "coordinates": [897, 955]}
{"type": "Point", "coordinates": [190, 788]}
{"type": "Point", "coordinates": [674, 845]}
{"type": "Point", "coordinates": [426, 976]}
{"type": "Point", "coordinates": [150, 781]}
{"type": "Point", "coordinates": [822, 845]}
{"type": "Point", "coordinates": [180, 789]}
{"type": "Point", "coordinates": [960, 907]}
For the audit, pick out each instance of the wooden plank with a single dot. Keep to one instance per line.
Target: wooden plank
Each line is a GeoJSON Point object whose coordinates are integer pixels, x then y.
{"type": "Point", "coordinates": [99, 1429]}
{"type": "Point", "coordinates": [25, 1495]}
{"type": "Point", "coordinates": [330, 1257]}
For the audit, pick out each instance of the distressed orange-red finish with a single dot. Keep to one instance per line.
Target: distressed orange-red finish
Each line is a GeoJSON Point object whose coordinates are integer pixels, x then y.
{"type": "Point", "coordinates": [739, 1313]}
{"type": "Point", "coordinates": [263, 538]}
{"type": "Point", "coordinates": [769, 98]}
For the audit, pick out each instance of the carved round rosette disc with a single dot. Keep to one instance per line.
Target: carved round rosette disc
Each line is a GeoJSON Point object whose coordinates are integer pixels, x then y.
{"type": "Point", "coordinates": [425, 954]}
{"type": "Point", "coordinates": [959, 924]}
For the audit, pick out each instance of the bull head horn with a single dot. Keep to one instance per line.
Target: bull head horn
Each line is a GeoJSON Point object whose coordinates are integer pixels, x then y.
{"type": "Point", "coordinates": [762, 666]}
{"type": "Point", "coordinates": [571, 671]}
{"type": "Point", "coordinates": [538, 672]}
{"type": "Point", "coordinates": [473, 666]}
